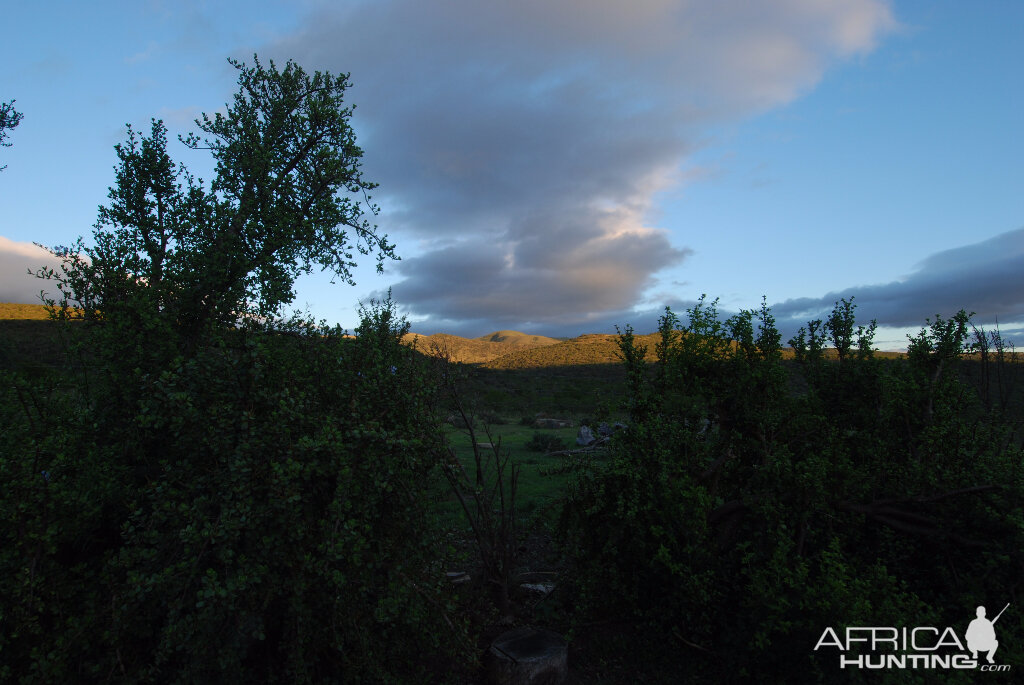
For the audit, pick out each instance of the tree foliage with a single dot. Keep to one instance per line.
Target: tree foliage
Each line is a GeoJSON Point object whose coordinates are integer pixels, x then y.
{"type": "Point", "coordinates": [287, 195]}
{"type": "Point", "coordinates": [254, 511]}
{"type": "Point", "coordinates": [9, 120]}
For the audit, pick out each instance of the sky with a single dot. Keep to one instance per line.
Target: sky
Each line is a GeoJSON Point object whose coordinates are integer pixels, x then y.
{"type": "Point", "coordinates": [568, 166]}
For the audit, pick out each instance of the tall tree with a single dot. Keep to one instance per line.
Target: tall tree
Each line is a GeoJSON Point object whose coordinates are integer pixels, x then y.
{"type": "Point", "coordinates": [287, 195]}
{"type": "Point", "coordinates": [224, 496]}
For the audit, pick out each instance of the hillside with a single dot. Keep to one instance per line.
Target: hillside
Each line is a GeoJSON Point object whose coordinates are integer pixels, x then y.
{"type": "Point", "coordinates": [597, 348]}
{"type": "Point", "coordinates": [594, 348]}
{"type": "Point", "coordinates": [517, 339]}
{"type": "Point", "coordinates": [11, 311]}
{"type": "Point", "coordinates": [478, 350]}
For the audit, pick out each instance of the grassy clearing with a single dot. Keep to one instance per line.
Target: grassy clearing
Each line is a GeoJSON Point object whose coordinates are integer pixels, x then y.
{"type": "Point", "coordinates": [541, 484]}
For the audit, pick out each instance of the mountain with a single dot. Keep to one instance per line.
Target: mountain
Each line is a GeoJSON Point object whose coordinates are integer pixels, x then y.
{"type": "Point", "coordinates": [517, 339]}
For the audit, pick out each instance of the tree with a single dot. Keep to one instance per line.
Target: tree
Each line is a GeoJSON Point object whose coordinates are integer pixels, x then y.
{"type": "Point", "coordinates": [287, 195]}
{"type": "Point", "coordinates": [9, 120]}
{"type": "Point", "coordinates": [205, 492]}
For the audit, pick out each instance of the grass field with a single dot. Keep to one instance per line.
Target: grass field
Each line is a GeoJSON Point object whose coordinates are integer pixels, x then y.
{"type": "Point", "coordinates": [542, 481]}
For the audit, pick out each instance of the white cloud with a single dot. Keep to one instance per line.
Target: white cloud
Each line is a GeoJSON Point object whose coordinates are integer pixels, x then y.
{"type": "Point", "coordinates": [16, 259]}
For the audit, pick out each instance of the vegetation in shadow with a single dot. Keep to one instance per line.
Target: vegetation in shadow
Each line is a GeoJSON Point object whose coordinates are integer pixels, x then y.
{"type": "Point", "coordinates": [736, 519]}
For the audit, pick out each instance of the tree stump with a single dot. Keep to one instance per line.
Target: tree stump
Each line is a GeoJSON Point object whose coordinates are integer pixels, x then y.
{"type": "Point", "coordinates": [528, 656]}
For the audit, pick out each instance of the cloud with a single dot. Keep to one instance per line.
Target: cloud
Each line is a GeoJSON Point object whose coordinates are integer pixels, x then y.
{"type": "Point", "coordinates": [520, 146]}
{"type": "Point", "coordinates": [549, 268]}
{"type": "Point", "coordinates": [16, 259]}
{"type": "Point", "coordinates": [986, 278]}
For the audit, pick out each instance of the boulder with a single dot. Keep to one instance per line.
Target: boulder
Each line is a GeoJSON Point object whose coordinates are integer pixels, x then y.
{"type": "Point", "coordinates": [585, 436]}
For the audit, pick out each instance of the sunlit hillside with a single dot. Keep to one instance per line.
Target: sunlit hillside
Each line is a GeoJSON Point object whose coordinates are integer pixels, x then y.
{"type": "Point", "coordinates": [478, 350]}
{"type": "Point", "coordinates": [10, 310]}
{"type": "Point", "coordinates": [586, 349]}
{"type": "Point", "coordinates": [517, 339]}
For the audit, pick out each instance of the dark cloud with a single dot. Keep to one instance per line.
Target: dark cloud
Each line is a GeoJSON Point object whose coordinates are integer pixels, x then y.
{"type": "Point", "coordinates": [986, 278]}
{"type": "Point", "coordinates": [520, 145]}
{"type": "Point", "coordinates": [562, 272]}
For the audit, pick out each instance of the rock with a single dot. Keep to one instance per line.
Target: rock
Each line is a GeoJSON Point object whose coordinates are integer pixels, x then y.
{"type": "Point", "coordinates": [584, 437]}
{"type": "Point", "coordinates": [457, 577]}
{"type": "Point", "coordinates": [528, 656]}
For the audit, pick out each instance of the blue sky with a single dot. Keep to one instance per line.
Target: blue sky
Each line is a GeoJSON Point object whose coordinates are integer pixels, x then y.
{"type": "Point", "coordinates": [565, 167]}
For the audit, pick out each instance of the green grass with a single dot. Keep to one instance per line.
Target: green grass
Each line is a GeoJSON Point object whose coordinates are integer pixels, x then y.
{"type": "Point", "coordinates": [542, 483]}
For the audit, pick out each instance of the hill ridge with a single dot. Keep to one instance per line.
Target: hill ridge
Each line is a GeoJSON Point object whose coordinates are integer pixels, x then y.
{"type": "Point", "coordinates": [477, 350]}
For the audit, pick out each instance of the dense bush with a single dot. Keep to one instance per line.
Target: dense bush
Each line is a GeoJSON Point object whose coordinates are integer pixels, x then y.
{"type": "Point", "coordinates": [254, 512]}
{"type": "Point", "coordinates": [738, 517]}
